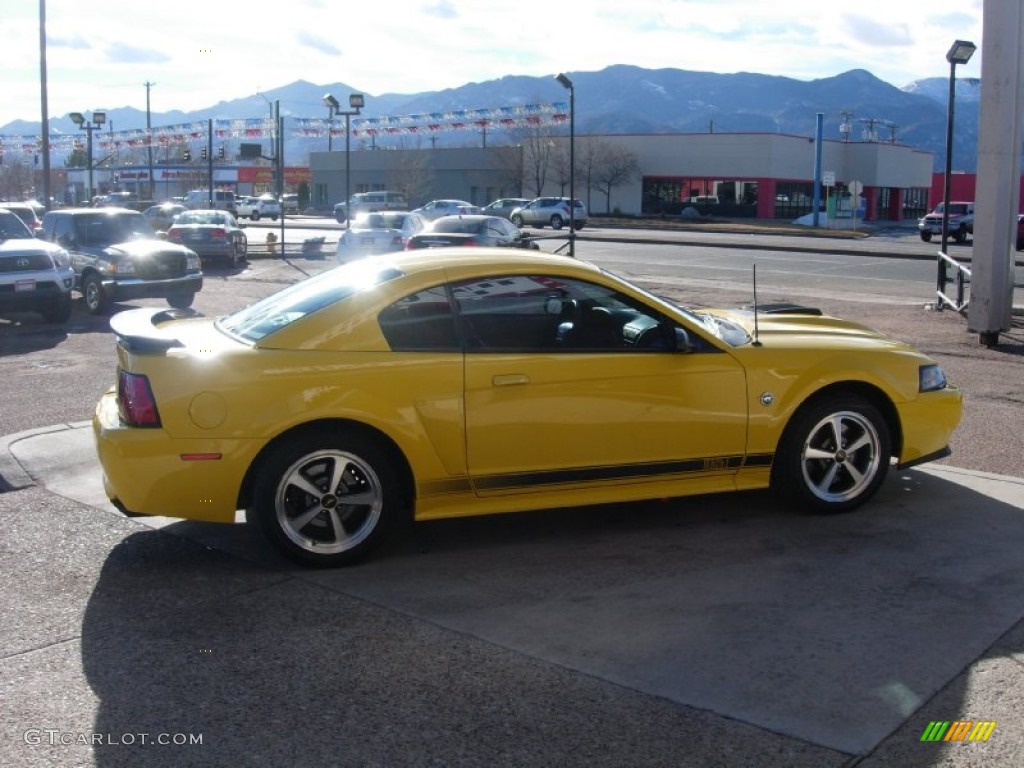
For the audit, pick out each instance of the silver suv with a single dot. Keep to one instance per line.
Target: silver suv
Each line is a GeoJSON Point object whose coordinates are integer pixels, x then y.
{"type": "Point", "coordinates": [543, 211]}
{"type": "Point", "coordinates": [35, 276]}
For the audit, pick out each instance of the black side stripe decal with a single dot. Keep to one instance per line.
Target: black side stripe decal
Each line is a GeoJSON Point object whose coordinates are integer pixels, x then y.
{"type": "Point", "coordinates": [621, 472]}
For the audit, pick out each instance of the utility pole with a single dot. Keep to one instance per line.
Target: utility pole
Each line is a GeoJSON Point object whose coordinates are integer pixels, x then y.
{"type": "Point", "coordinates": [149, 141]}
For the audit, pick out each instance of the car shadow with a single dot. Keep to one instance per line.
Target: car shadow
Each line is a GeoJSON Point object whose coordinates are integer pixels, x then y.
{"type": "Point", "coordinates": [831, 633]}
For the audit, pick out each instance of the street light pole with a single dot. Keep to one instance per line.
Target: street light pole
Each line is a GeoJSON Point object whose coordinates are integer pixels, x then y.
{"type": "Point", "coordinates": [960, 53]}
{"type": "Point", "coordinates": [356, 102]}
{"type": "Point", "coordinates": [567, 83]}
{"type": "Point", "coordinates": [95, 123]}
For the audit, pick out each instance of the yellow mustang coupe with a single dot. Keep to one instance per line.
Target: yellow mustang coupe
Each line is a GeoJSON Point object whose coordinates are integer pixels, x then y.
{"type": "Point", "coordinates": [474, 381]}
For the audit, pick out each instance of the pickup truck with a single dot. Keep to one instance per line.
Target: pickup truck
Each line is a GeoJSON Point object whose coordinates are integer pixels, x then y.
{"type": "Point", "coordinates": [961, 222]}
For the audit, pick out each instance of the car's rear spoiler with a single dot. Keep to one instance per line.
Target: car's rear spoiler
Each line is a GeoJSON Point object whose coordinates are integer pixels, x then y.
{"type": "Point", "coordinates": [138, 329]}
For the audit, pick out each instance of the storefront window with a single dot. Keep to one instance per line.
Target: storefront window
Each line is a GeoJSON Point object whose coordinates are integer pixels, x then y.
{"type": "Point", "coordinates": [669, 196]}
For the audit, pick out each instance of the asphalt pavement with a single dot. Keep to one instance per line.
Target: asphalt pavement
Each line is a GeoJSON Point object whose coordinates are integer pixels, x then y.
{"type": "Point", "coordinates": [714, 631]}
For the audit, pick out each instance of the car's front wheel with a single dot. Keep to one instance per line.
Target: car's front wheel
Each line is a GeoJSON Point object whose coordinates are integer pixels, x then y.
{"type": "Point", "coordinates": [833, 455]}
{"type": "Point", "coordinates": [326, 499]}
{"type": "Point", "coordinates": [59, 311]}
{"type": "Point", "coordinates": [556, 222]}
{"type": "Point", "coordinates": [517, 220]}
{"type": "Point", "coordinates": [255, 215]}
{"type": "Point", "coordinates": [926, 236]}
{"type": "Point", "coordinates": [96, 301]}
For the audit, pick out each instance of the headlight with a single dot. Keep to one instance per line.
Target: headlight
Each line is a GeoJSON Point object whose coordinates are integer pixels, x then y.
{"type": "Point", "coordinates": [931, 378]}
{"type": "Point", "coordinates": [61, 259]}
{"type": "Point", "coordinates": [192, 261]}
{"type": "Point", "coordinates": [122, 268]}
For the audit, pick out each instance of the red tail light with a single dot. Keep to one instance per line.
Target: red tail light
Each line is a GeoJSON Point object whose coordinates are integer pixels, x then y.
{"type": "Point", "coordinates": [219, 234]}
{"type": "Point", "coordinates": [396, 242]}
{"type": "Point", "coordinates": [174, 234]}
{"type": "Point", "coordinates": [470, 241]}
{"type": "Point", "coordinates": [135, 401]}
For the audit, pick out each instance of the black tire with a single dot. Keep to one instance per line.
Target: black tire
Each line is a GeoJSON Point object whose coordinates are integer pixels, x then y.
{"type": "Point", "coordinates": [518, 221]}
{"type": "Point", "coordinates": [255, 215]}
{"type": "Point", "coordinates": [579, 225]}
{"type": "Point", "coordinates": [96, 300]}
{"type": "Point", "coordinates": [321, 530]}
{"type": "Point", "coordinates": [1020, 244]}
{"type": "Point", "coordinates": [556, 221]}
{"type": "Point", "coordinates": [239, 255]}
{"type": "Point", "coordinates": [181, 300]}
{"type": "Point", "coordinates": [59, 311]}
{"type": "Point", "coordinates": [961, 236]}
{"type": "Point", "coordinates": [826, 472]}
{"type": "Point", "coordinates": [926, 236]}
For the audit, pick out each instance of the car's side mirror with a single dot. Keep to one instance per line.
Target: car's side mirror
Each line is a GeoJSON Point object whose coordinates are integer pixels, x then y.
{"type": "Point", "coordinates": [684, 344]}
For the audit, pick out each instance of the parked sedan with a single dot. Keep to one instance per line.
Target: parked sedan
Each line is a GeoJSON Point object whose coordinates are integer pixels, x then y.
{"type": "Point", "coordinates": [491, 231]}
{"type": "Point", "coordinates": [504, 206]}
{"type": "Point", "coordinates": [472, 381]}
{"type": "Point", "coordinates": [373, 233]}
{"type": "Point", "coordinates": [161, 217]}
{"type": "Point", "coordinates": [435, 209]}
{"type": "Point", "coordinates": [212, 234]}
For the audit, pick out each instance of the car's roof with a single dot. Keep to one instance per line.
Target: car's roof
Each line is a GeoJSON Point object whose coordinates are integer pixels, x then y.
{"type": "Point", "coordinates": [473, 259]}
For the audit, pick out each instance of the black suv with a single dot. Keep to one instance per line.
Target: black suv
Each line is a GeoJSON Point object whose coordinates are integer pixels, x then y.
{"type": "Point", "coordinates": [116, 257]}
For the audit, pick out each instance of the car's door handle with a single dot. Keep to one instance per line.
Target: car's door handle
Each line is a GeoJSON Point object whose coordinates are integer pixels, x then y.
{"type": "Point", "coordinates": [510, 380]}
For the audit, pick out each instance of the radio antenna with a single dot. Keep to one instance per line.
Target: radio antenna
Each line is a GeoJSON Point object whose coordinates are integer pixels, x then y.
{"type": "Point", "coordinates": [757, 341]}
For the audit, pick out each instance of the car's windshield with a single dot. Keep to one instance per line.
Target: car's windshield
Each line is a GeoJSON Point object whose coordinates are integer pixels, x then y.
{"type": "Point", "coordinates": [297, 301]}
{"type": "Point", "coordinates": [13, 228]}
{"type": "Point", "coordinates": [109, 229]}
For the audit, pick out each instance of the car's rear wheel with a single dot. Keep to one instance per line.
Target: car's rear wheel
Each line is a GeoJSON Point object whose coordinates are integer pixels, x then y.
{"type": "Point", "coordinates": [255, 215]}
{"type": "Point", "coordinates": [579, 224]}
{"type": "Point", "coordinates": [181, 300]}
{"type": "Point", "coordinates": [96, 301]}
{"type": "Point", "coordinates": [556, 221]}
{"type": "Point", "coordinates": [961, 236]}
{"type": "Point", "coordinates": [517, 220]}
{"type": "Point", "coordinates": [834, 454]}
{"type": "Point", "coordinates": [238, 255]}
{"type": "Point", "coordinates": [326, 499]}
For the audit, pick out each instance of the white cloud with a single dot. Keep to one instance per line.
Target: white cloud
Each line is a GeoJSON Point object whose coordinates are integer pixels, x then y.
{"type": "Point", "coordinates": [200, 52]}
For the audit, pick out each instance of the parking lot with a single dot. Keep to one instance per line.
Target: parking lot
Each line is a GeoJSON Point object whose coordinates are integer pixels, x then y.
{"type": "Point", "coordinates": [704, 631]}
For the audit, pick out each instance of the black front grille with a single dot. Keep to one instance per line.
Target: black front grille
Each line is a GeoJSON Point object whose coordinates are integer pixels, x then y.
{"type": "Point", "coordinates": [27, 262]}
{"type": "Point", "coordinates": [163, 265]}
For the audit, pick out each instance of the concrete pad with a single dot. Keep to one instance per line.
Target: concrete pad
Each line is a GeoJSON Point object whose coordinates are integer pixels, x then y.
{"type": "Point", "coordinates": [830, 630]}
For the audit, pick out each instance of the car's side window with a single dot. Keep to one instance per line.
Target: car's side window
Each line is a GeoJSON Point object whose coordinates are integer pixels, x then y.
{"type": "Point", "coordinates": [421, 322]}
{"type": "Point", "coordinates": [541, 313]}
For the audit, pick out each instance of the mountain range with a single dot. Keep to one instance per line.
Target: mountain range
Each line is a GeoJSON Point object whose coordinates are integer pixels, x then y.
{"type": "Point", "coordinates": [624, 99]}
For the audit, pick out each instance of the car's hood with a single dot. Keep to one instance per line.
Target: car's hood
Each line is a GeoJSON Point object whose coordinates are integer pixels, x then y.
{"type": "Point", "coordinates": [795, 329]}
{"type": "Point", "coordinates": [26, 246]}
{"type": "Point", "coordinates": [137, 249]}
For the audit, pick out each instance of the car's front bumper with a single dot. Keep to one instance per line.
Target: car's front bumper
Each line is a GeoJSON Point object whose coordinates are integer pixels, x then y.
{"type": "Point", "coordinates": [134, 288]}
{"type": "Point", "coordinates": [32, 290]}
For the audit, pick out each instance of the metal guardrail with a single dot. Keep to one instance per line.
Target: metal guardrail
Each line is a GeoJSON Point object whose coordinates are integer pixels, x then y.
{"type": "Point", "coordinates": [962, 276]}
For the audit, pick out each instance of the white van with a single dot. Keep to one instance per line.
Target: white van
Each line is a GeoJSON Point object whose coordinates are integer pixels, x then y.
{"type": "Point", "coordinates": [223, 199]}
{"type": "Point", "coordinates": [371, 202]}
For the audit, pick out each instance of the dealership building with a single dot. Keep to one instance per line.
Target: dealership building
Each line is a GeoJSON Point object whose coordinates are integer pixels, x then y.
{"type": "Point", "coordinates": [756, 175]}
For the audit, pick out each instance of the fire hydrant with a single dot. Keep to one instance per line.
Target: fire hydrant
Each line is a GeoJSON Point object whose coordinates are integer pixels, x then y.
{"type": "Point", "coordinates": [271, 242]}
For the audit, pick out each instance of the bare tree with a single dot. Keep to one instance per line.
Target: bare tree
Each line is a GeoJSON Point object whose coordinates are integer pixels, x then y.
{"type": "Point", "coordinates": [538, 146]}
{"type": "Point", "coordinates": [410, 173]}
{"type": "Point", "coordinates": [614, 165]}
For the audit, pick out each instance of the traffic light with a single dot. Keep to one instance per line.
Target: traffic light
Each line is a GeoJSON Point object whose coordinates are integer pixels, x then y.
{"type": "Point", "coordinates": [220, 152]}
{"type": "Point", "coordinates": [187, 156]}
{"type": "Point", "coordinates": [204, 153]}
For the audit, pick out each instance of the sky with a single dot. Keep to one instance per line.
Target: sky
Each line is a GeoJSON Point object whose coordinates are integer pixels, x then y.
{"type": "Point", "coordinates": [196, 53]}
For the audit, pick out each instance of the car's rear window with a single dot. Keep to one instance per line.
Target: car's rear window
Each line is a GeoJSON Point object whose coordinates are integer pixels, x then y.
{"type": "Point", "coordinates": [283, 308]}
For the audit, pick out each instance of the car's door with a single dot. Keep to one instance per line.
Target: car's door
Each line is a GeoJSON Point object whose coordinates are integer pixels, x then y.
{"type": "Point", "coordinates": [556, 399]}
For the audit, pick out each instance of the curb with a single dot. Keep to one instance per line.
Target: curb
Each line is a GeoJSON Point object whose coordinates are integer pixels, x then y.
{"type": "Point", "coordinates": [13, 476]}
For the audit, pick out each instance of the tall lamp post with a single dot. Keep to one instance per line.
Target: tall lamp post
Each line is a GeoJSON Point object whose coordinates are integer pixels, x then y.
{"type": "Point", "coordinates": [356, 102]}
{"type": "Point", "coordinates": [567, 83]}
{"type": "Point", "coordinates": [332, 109]}
{"type": "Point", "coordinates": [97, 121]}
{"type": "Point", "coordinates": [959, 53]}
